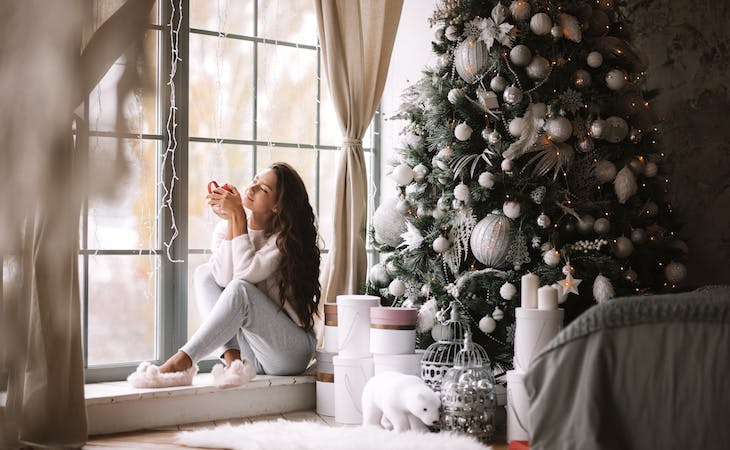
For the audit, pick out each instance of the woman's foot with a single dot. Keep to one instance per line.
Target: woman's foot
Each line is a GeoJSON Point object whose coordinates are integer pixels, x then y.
{"type": "Point", "coordinates": [179, 362]}
{"type": "Point", "coordinates": [231, 355]}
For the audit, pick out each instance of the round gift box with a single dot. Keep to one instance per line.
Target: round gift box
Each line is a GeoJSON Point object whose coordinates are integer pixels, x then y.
{"type": "Point", "coordinates": [393, 330]}
{"type": "Point", "coordinates": [351, 374]}
{"type": "Point", "coordinates": [409, 364]}
{"type": "Point", "coordinates": [325, 384]}
{"type": "Point", "coordinates": [330, 328]}
{"type": "Point", "coordinates": [534, 328]}
{"type": "Point", "coordinates": [353, 324]}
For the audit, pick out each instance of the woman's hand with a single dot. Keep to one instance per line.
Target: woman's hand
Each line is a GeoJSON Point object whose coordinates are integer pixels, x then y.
{"type": "Point", "coordinates": [226, 203]}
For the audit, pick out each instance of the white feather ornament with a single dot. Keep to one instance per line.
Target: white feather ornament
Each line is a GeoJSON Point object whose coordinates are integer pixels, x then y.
{"type": "Point", "coordinates": [426, 316]}
{"type": "Point", "coordinates": [412, 238]}
{"type": "Point", "coordinates": [531, 122]}
{"type": "Point", "coordinates": [625, 184]}
{"type": "Point", "coordinates": [602, 289]}
{"type": "Point", "coordinates": [571, 27]}
{"type": "Point", "coordinates": [461, 229]}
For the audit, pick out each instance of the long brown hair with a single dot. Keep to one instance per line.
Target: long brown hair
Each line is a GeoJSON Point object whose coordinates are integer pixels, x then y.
{"type": "Point", "coordinates": [298, 239]}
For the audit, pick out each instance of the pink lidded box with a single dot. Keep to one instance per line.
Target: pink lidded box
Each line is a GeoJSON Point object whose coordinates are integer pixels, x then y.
{"type": "Point", "coordinates": [393, 330]}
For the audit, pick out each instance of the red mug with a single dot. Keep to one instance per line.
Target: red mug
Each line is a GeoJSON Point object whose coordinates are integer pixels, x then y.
{"type": "Point", "coordinates": [213, 185]}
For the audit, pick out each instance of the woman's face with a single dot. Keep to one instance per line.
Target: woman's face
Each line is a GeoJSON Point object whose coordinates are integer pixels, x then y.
{"type": "Point", "coordinates": [260, 195]}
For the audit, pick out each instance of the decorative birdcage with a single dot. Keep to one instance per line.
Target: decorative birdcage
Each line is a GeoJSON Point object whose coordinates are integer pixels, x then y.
{"type": "Point", "coordinates": [439, 356]}
{"type": "Point", "coordinates": [468, 400]}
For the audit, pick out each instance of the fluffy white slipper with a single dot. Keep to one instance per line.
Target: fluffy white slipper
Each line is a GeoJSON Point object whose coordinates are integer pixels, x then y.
{"type": "Point", "coordinates": [240, 372]}
{"type": "Point", "coordinates": [148, 376]}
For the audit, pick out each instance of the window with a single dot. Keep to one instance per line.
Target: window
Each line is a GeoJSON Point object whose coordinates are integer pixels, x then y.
{"type": "Point", "coordinates": [249, 90]}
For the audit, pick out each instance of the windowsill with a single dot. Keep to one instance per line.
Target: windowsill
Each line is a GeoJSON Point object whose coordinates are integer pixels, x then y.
{"type": "Point", "coordinates": [114, 407]}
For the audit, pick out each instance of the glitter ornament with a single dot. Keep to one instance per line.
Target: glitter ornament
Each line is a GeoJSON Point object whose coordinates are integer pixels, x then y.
{"type": "Point", "coordinates": [675, 272]}
{"type": "Point", "coordinates": [602, 226]}
{"type": "Point", "coordinates": [402, 174]}
{"type": "Point", "coordinates": [543, 220]}
{"type": "Point", "coordinates": [541, 23]}
{"type": "Point", "coordinates": [520, 10]}
{"type": "Point", "coordinates": [462, 131]}
{"type": "Point", "coordinates": [498, 83]}
{"type": "Point", "coordinates": [599, 127]}
{"type": "Point", "coordinates": [539, 68]}
{"type": "Point", "coordinates": [559, 129]}
{"type": "Point", "coordinates": [498, 314]}
{"type": "Point", "coordinates": [461, 192]}
{"type": "Point", "coordinates": [582, 79]}
{"type": "Point", "coordinates": [585, 224]}
{"type": "Point", "coordinates": [507, 291]}
{"type": "Point", "coordinates": [487, 324]}
{"type": "Point", "coordinates": [623, 247]}
{"type": "Point", "coordinates": [397, 288]}
{"type": "Point", "coordinates": [616, 79]}
{"type": "Point", "coordinates": [420, 172]}
{"type": "Point", "coordinates": [604, 171]}
{"type": "Point", "coordinates": [490, 240]}
{"type": "Point", "coordinates": [441, 244]}
{"type": "Point", "coordinates": [520, 55]}
{"type": "Point", "coordinates": [513, 95]}
{"type": "Point", "coordinates": [511, 209]}
{"type": "Point", "coordinates": [486, 180]}
{"type": "Point", "coordinates": [551, 257]}
{"type": "Point", "coordinates": [594, 60]}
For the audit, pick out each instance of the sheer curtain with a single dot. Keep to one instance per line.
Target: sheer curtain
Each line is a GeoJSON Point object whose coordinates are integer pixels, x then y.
{"type": "Point", "coordinates": [357, 40]}
{"type": "Point", "coordinates": [45, 76]}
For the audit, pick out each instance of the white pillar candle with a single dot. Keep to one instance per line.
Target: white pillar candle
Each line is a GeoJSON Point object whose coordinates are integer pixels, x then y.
{"type": "Point", "coordinates": [528, 291]}
{"type": "Point", "coordinates": [547, 298]}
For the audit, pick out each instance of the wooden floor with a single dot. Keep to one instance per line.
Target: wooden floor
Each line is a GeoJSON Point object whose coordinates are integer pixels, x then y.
{"type": "Point", "coordinates": [164, 438]}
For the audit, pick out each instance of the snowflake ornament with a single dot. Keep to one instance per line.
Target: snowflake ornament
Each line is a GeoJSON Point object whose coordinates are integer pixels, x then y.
{"type": "Point", "coordinates": [571, 100]}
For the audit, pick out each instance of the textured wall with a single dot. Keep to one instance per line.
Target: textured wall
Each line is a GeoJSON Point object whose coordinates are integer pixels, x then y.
{"type": "Point", "coordinates": [687, 46]}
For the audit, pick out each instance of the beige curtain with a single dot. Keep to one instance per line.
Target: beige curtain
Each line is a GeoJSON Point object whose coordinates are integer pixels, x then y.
{"type": "Point", "coordinates": [357, 40]}
{"type": "Point", "coordinates": [45, 76]}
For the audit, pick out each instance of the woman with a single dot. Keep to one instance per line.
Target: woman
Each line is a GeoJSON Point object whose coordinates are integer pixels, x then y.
{"type": "Point", "coordinates": [260, 289]}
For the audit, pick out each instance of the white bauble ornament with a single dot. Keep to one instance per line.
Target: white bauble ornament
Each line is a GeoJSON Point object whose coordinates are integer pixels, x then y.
{"type": "Point", "coordinates": [585, 224]}
{"type": "Point", "coordinates": [455, 94]}
{"type": "Point", "coordinates": [602, 226]}
{"type": "Point", "coordinates": [511, 209]}
{"type": "Point", "coordinates": [490, 240]}
{"type": "Point", "coordinates": [543, 220]}
{"type": "Point", "coordinates": [443, 203]}
{"type": "Point", "coordinates": [602, 289]}
{"type": "Point", "coordinates": [437, 213]}
{"type": "Point", "coordinates": [617, 129]}
{"type": "Point", "coordinates": [507, 165]}
{"type": "Point", "coordinates": [388, 223]}
{"type": "Point", "coordinates": [379, 276]}
{"type": "Point", "coordinates": [390, 267]}
{"type": "Point", "coordinates": [498, 83]}
{"type": "Point", "coordinates": [551, 257]}
{"type": "Point", "coordinates": [470, 59]}
{"type": "Point", "coordinates": [494, 137]}
{"type": "Point", "coordinates": [675, 272]}
{"type": "Point", "coordinates": [541, 23]}
{"type": "Point", "coordinates": [559, 129]}
{"type": "Point", "coordinates": [507, 291]}
{"type": "Point", "coordinates": [420, 172]}
{"type": "Point", "coordinates": [520, 55]}
{"type": "Point", "coordinates": [594, 60]}
{"type": "Point", "coordinates": [513, 95]}
{"type": "Point", "coordinates": [485, 133]}
{"type": "Point", "coordinates": [604, 171]}
{"type": "Point", "coordinates": [443, 60]}
{"type": "Point", "coordinates": [397, 288]}
{"type": "Point", "coordinates": [497, 314]}
{"type": "Point", "coordinates": [616, 79]}
{"type": "Point", "coordinates": [638, 236]}
{"type": "Point", "coordinates": [520, 9]}
{"type": "Point", "coordinates": [625, 185]}
{"type": "Point", "coordinates": [539, 68]}
{"type": "Point", "coordinates": [599, 127]}
{"type": "Point", "coordinates": [556, 32]}
{"type": "Point", "coordinates": [441, 244]}
{"type": "Point", "coordinates": [422, 211]}
{"type": "Point", "coordinates": [651, 169]}
{"type": "Point", "coordinates": [452, 33]}
{"type": "Point", "coordinates": [462, 193]}
{"type": "Point", "coordinates": [462, 131]}
{"type": "Point", "coordinates": [403, 206]}
{"type": "Point", "coordinates": [623, 247]}
{"type": "Point", "coordinates": [516, 126]}
{"type": "Point", "coordinates": [486, 180]}
{"type": "Point", "coordinates": [487, 324]}
{"type": "Point", "coordinates": [440, 333]}
{"type": "Point", "coordinates": [402, 174]}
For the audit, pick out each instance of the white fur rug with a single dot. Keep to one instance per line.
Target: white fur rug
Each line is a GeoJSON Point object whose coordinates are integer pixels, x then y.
{"type": "Point", "coordinates": [287, 435]}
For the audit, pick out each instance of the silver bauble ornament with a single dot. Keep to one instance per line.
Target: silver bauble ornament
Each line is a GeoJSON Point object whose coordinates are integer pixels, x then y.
{"type": "Point", "coordinates": [635, 135]}
{"type": "Point", "coordinates": [551, 257]}
{"type": "Point", "coordinates": [397, 288]}
{"type": "Point", "coordinates": [388, 223]}
{"type": "Point", "coordinates": [623, 247]}
{"type": "Point", "coordinates": [594, 60]}
{"type": "Point", "coordinates": [485, 133]}
{"type": "Point", "coordinates": [559, 129]}
{"type": "Point", "coordinates": [498, 314]}
{"type": "Point", "coordinates": [420, 172]}
{"type": "Point", "coordinates": [494, 137]}
{"type": "Point", "coordinates": [490, 240]}
{"type": "Point", "coordinates": [543, 220]}
{"type": "Point", "coordinates": [581, 79]}
{"type": "Point", "coordinates": [470, 59]}
{"type": "Point", "coordinates": [441, 244]}
{"type": "Point", "coordinates": [498, 83]}
{"type": "Point", "coordinates": [462, 193]}
{"type": "Point", "coordinates": [379, 276]}
{"type": "Point", "coordinates": [617, 129]}
{"type": "Point", "coordinates": [599, 128]}
{"type": "Point", "coordinates": [513, 95]}
{"type": "Point", "coordinates": [585, 145]}
{"type": "Point", "coordinates": [585, 224]}
{"type": "Point", "coordinates": [452, 33]}
{"type": "Point", "coordinates": [520, 55]}
{"type": "Point", "coordinates": [487, 324]}
{"type": "Point", "coordinates": [520, 9]}
{"type": "Point", "coordinates": [539, 68]}
{"type": "Point", "coordinates": [675, 272]}
{"type": "Point", "coordinates": [616, 79]}
{"type": "Point", "coordinates": [402, 174]}
{"type": "Point", "coordinates": [604, 171]}
{"type": "Point", "coordinates": [541, 23]}
{"type": "Point", "coordinates": [638, 236]}
{"type": "Point", "coordinates": [556, 32]}
{"type": "Point", "coordinates": [602, 226]}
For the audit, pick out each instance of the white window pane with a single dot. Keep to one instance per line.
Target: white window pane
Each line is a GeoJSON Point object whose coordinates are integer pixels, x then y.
{"type": "Point", "coordinates": [227, 16]}
{"type": "Point", "coordinates": [288, 20]}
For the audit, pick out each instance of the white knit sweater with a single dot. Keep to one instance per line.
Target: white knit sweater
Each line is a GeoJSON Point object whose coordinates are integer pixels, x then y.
{"type": "Point", "coordinates": [250, 257]}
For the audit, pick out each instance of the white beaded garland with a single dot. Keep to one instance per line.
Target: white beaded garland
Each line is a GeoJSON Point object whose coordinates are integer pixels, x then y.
{"type": "Point", "coordinates": [463, 131]}
{"type": "Point", "coordinates": [507, 291]}
{"type": "Point", "coordinates": [397, 288]}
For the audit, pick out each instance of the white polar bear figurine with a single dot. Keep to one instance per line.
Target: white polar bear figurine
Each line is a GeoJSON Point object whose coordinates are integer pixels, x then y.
{"type": "Point", "coordinates": [400, 401]}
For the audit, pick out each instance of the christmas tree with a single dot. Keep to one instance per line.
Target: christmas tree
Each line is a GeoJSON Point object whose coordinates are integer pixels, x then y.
{"type": "Point", "coordinates": [530, 147]}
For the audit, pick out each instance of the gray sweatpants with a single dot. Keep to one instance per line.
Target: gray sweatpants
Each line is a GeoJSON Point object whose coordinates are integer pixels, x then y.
{"type": "Point", "coordinates": [242, 317]}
